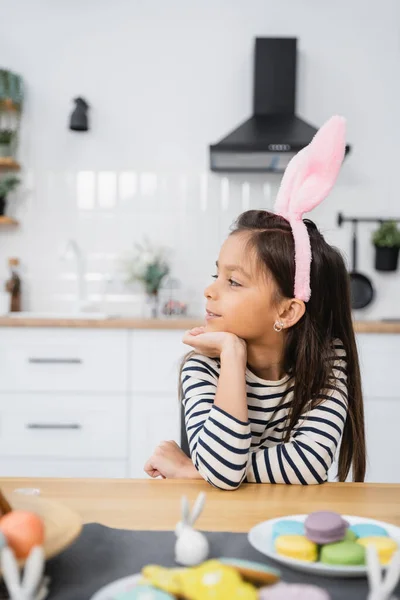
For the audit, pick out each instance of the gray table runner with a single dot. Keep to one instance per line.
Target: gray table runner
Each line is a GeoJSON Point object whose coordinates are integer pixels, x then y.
{"type": "Point", "coordinates": [102, 555]}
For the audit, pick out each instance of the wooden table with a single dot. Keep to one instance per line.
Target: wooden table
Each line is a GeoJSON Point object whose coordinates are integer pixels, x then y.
{"type": "Point", "coordinates": [155, 504]}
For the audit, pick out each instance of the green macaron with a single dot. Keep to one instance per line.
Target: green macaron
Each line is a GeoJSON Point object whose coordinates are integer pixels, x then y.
{"type": "Point", "coordinates": [343, 553]}
{"type": "Point", "coordinates": [349, 536]}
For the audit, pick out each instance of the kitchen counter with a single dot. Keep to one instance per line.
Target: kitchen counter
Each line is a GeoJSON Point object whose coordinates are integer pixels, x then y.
{"type": "Point", "coordinates": [166, 323]}
{"type": "Point", "coordinates": [106, 323]}
{"type": "Point", "coordinates": [136, 504]}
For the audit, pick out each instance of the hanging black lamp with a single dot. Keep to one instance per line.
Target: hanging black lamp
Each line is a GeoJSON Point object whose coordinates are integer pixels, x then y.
{"type": "Point", "coordinates": [79, 117]}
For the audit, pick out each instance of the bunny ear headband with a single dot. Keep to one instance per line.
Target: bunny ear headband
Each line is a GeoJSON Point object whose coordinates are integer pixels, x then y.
{"type": "Point", "coordinates": [308, 179]}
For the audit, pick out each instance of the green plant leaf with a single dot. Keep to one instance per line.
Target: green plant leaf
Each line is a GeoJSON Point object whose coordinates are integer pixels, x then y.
{"type": "Point", "coordinates": [387, 235]}
{"type": "Point", "coordinates": [148, 265]}
{"type": "Point", "coordinates": [7, 184]}
{"type": "Point", "coordinates": [6, 136]}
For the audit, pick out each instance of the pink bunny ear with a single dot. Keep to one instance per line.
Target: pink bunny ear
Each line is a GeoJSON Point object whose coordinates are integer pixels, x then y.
{"type": "Point", "coordinates": [290, 182]}
{"type": "Point", "coordinates": [324, 158]}
{"type": "Point", "coordinates": [308, 179]}
{"type": "Point", "coordinates": [312, 172]}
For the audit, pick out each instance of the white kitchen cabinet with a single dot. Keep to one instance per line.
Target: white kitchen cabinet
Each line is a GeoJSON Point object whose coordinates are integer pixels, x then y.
{"type": "Point", "coordinates": [86, 402]}
{"type": "Point", "coordinates": [379, 361]}
{"type": "Point", "coordinates": [96, 403]}
{"type": "Point", "coordinates": [155, 358]}
{"type": "Point", "coordinates": [63, 402]}
{"type": "Point", "coordinates": [65, 360]}
{"type": "Point", "coordinates": [57, 425]}
{"type": "Point", "coordinates": [153, 419]}
{"type": "Point", "coordinates": [382, 416]}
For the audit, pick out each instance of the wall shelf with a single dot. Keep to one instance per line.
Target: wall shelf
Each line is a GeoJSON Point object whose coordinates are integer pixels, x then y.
{"type": "Point", "coordinates": [7, 221]}
{"type": "Point", "coordinates": [8, 164]}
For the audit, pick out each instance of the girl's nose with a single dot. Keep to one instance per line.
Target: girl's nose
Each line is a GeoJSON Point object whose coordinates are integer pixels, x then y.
{"type": "Point", "coordinates": [210, 291]}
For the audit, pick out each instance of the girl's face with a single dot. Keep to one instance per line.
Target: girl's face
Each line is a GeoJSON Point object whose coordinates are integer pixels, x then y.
{"type": "Point", "coordinates": [243, 297]}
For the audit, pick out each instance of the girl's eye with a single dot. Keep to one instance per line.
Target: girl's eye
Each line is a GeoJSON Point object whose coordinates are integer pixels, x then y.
{"type": "Point", "coordinates": [234, 283]}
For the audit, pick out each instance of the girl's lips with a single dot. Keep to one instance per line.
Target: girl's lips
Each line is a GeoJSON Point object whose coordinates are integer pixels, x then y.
{"type": "Point", "coordinates": [210, 315]}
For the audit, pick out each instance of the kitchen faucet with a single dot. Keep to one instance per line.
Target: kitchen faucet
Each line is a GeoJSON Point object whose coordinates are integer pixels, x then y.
{"type": "Point", "coordinates": [72, 247]}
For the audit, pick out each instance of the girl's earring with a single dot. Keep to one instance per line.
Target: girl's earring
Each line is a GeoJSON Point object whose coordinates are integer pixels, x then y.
{"type": "Point", "coordinates": [278, 326]}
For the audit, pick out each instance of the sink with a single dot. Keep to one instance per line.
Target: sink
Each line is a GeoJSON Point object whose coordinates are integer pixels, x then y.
{"type": "Point", "coordinates": [55, 315]}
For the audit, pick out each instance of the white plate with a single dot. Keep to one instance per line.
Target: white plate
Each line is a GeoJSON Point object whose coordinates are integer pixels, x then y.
{"type": "Point", "coordinates": [260, 537]}
{"type": "Point", "coordinates": [116, 588]}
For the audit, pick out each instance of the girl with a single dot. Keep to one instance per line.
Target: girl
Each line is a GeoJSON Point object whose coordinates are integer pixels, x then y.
{"type": "Point", "coordinates": [274, 385]}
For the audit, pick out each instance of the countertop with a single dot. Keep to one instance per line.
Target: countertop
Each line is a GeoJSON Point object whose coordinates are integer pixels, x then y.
{"type": "Point", "coordinates": [102, 323]}
{"type": "Point", "coordinates": [166, 323]}
{"type": "Point", "coordinates": [155, 504]}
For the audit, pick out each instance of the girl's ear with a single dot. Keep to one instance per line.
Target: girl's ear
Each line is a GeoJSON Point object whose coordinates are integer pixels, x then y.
{"type": "Point", "coordinates": [291, 312]}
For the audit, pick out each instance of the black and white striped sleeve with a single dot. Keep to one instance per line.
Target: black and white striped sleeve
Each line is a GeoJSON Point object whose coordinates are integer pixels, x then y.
{"type": "Point", "coordinates": [219, 444]}
{"type": "Point", "coordinates": [306, 458]}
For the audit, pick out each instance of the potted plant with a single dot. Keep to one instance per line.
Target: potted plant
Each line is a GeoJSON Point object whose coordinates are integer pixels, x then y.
{"type": "Point", "coordinates": [11, 92]}
{"type": "Point", "coordinates": [386, 240]}
{"type": "Point", "coordinates": [6, 138]}
{"type": "Point", "coordinates": [149, 266]}
{"type": "Point", "coordinates": [7, 184]}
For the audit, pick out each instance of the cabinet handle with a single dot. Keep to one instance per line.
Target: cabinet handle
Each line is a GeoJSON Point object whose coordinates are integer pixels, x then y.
{"type": "Point", "coordinates": [55, 361]}
{"type": "Point", "coordinates": [54, 426]}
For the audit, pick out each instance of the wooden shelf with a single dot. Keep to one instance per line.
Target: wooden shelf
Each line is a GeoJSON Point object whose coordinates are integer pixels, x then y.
{"type": "Point", "coordinates": [8, 164]}
{"type": "Point", "coordinates": [8, 221]}
{"type": "Point", "coordinates": [8, 104]}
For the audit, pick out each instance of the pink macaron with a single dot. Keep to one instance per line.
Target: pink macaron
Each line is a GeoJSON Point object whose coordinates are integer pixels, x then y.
{"type": "Point", "coordinates": [325, 527]}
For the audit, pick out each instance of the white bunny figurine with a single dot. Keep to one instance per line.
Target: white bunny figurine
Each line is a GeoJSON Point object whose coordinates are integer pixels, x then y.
{"type": "Point", "coordinates": [382, 588]}
{"type": "Point", "coordinates": [191, 547]}
{"type": "Point", "coordinates": [32, 586]}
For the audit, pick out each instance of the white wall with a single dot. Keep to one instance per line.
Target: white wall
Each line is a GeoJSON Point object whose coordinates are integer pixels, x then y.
{"type": "Point", "coordinates": [164, 80]}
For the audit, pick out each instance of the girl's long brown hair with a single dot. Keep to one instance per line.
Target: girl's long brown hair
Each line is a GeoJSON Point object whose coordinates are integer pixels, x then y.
{"type": "Point", "coordinates": [327, 317]}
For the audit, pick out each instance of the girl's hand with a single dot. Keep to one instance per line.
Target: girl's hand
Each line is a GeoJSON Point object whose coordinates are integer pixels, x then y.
{"type": "Point", "coordinates": [170, 462]}
{"type": "Point", "coordinates": [212, 343]}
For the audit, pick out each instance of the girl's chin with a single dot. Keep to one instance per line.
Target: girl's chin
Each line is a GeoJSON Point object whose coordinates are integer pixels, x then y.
{"type": "Point", "coordinates": [217, 325]}
{"type": "Point", "coordinates": [214, 325]}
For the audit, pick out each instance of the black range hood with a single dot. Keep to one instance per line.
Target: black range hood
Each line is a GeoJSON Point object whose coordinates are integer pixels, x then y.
{"type": "Point", "coordinates": [274, 134]}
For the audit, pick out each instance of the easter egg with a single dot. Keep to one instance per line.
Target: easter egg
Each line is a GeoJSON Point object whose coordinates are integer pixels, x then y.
{"type": "Point", "coordinates": [22, 530]}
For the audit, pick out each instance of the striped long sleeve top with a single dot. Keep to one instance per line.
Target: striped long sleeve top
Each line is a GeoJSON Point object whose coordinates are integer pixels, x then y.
{"type": "Point", "coordinates": [227, 451]}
